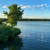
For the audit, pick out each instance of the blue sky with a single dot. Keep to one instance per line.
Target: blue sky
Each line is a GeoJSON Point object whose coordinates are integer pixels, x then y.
{"type": "Point", "coordinates": [32, 8]}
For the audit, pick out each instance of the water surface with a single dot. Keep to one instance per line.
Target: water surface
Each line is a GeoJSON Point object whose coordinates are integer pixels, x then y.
{"type": "Point", "coordinates": [35, 35]}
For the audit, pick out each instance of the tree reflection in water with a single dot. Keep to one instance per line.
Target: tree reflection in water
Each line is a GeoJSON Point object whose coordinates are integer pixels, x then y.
{"type": "Point", "coordinates": [15, 44]}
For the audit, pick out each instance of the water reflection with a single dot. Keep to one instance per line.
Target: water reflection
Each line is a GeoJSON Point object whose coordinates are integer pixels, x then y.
{"type": "Point", "coordinates": [35, 35]}
{"type": "Point", "coordinates": [15, 44]}
{"type": "Point", "coordinates": [42, 37]}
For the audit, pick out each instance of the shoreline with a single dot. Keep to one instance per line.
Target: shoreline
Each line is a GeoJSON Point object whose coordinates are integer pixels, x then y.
{"type": "Point", "coordinates": [34, 20]}
{"type": "Point", "coordinates": [2, 19]}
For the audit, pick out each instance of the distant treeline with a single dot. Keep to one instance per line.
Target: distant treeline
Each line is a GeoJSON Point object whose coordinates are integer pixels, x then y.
{"type": "Point", "coordinates": [34, 20]}
{"type": "Point", "coordinates": [3, 19]}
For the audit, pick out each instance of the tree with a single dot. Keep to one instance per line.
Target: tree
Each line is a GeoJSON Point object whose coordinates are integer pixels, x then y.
{"type": "Point", "coordinates": [14, 14]}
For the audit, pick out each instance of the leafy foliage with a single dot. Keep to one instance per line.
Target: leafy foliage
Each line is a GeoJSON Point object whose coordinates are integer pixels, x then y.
{"type": "Point", "coordinates": [14, 14]}
{"type": "Point", "coordinates": [12, 44]}
{"type": "Point", "coordinates": [0, 22]}
{"type": "Point", "coordinates": [7, 32]}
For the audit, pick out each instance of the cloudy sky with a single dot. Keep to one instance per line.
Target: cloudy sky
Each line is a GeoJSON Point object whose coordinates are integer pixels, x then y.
{"type": "Point", "coordinates": [32, 8]}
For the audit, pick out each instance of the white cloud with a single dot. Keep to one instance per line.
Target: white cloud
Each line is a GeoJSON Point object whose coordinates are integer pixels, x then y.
{"type": "Point", "coordinates": [25, 6]}
{"type": "Point", "coordinates": [42, 5]}
{"type": "Point", "coordinates": [5, 6]}
{"type": "Point", "coordinates": [0, 4]}
{"type": "Point", "coordinates": [0, 12]}
{"type": "Point", "coordinates": [34, 6]}
{"type": "Point", "coordinates": [45, 4]}
{"type": "Point", "coordinates": [29, 6]}
{"type": "Point", "coordinates": [38, 5]}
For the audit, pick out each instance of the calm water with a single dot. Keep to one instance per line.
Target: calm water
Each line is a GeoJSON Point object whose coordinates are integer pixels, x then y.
{"type": "Point", "coordinates": [34, 36]}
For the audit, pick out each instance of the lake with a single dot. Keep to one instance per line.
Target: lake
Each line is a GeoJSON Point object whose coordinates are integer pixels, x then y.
{"type": "Point", "coordinates": [35, 35]}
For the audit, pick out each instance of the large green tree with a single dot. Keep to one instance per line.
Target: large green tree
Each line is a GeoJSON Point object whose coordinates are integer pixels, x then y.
{"type": "Point", "coordinates": [14, 14]}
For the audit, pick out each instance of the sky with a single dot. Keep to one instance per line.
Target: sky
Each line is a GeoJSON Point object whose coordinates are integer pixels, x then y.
{"type": "Point", "coordinates": [32, 8]}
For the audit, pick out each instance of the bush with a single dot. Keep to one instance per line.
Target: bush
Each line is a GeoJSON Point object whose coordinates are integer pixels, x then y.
{"type": "Point", "coordinates": [0, 22]}
{"type": "Point", "coordinates": [6, 32]}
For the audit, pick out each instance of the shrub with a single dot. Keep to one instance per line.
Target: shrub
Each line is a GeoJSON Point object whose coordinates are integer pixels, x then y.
{"type": "Point", "coordinates": [0, 22]}
{"type": "Point", "coordinates": [6, 32]}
